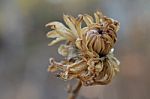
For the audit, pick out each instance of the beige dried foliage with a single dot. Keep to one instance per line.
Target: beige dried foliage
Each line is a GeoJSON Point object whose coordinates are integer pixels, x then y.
{"type": "Point", "coordinates": [88, 51]}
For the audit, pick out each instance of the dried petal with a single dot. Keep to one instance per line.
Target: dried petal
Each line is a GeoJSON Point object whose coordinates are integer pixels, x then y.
{"type": "Point", "coordinates": [70, 21]}
{"type": "Point", "coordinates": [88, 19]}
{"type": "Point", "coordinates": [56, 41]}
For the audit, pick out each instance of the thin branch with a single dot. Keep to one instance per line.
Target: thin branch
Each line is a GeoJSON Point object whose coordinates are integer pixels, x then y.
{"type": "Point", "coordinates": [73, 92]}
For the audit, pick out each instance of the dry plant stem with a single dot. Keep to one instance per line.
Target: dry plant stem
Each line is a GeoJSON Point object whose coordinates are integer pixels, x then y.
{"type": "Point", "coordinates": [73, 93]}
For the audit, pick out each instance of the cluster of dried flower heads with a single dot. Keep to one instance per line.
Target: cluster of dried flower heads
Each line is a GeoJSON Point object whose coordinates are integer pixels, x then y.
{"type": "Point", "coordinates": [88, 50]}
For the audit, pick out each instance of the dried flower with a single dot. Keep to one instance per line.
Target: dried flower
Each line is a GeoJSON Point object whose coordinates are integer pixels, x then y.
{"type": "Point", "coordinates": [88, 51]}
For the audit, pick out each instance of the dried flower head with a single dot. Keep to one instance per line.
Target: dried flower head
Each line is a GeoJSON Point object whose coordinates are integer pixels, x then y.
{"type": "Point", "coordinates": [88, 50]}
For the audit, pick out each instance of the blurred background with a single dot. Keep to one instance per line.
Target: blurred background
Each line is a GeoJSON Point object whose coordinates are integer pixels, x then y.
{"type": "Point", "coordinates": [24, 54]}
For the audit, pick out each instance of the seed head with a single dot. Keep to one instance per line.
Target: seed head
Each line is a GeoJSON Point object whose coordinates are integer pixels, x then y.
{"type": "Point", "coordinates": [88, 51]}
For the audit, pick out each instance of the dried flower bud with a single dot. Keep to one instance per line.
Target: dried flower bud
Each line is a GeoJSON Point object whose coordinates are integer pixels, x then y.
{"type": "Point", "coordinates": [100, 36]}
{"type": "Point", "coordinates": [87, 52]}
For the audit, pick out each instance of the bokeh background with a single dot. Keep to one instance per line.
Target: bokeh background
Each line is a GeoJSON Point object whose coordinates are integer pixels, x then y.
{"type": "Point", "coordinates": [24, 53]}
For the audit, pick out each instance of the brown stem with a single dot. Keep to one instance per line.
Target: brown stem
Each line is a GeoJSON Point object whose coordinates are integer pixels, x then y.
{"type": "Point", "coordinates": [73, 92]}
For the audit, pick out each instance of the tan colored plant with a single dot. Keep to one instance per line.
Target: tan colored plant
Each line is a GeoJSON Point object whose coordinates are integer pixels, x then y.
{"type": "Point", "coordinates": [88, 50]}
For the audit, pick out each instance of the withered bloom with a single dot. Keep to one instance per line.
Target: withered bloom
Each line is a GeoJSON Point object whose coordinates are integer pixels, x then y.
{"type": "Point", "coordinates": [88, 50]}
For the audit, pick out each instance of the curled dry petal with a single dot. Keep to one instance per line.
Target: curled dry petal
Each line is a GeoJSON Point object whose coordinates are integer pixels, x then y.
{"type": "Point", "coordinates": [88, 19]}
{"type": "Point", "coordinates": [70, 21]}
{"type": "Point", "coordinates": [56, 41]}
